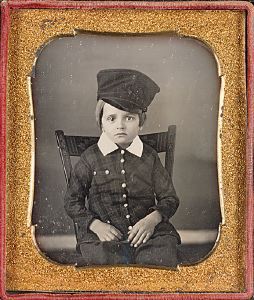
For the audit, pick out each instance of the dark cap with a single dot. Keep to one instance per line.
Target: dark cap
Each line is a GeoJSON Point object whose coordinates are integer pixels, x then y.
{"type": "Point", "coordinates": [126, 89]}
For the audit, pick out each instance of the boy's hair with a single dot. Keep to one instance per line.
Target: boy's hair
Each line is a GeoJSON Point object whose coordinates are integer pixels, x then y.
{"type": "Point", "coordinates": [99, 113]}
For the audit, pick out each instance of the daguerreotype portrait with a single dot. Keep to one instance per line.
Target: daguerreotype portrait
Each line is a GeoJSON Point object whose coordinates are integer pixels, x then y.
{"type": "Point", "coordinates": [127, 162]}
{"type": "Point", "coordinates": [120, 194]}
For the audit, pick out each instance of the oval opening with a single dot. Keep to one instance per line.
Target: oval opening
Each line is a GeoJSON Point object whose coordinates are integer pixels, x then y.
{"type": "Point", "coordinates": [64, 88]}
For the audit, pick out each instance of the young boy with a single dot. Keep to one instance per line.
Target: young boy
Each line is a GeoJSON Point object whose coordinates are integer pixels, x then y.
{"type": "Point", "coordinates": [130, 196]}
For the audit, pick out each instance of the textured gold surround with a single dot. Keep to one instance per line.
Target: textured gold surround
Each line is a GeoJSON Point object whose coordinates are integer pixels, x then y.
{"type": "Point", "coordinates": [27, 270]}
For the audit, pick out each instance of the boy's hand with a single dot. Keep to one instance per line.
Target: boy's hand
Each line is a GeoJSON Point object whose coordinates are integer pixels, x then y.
{"type": "Point", "coordinates": [104, 231]}
{"type": "Point", "coordinates": [144, 228]}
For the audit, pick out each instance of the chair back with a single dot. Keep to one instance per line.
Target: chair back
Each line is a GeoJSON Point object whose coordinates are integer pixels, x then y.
{"type": "Point", "coordinates": [70, 145]}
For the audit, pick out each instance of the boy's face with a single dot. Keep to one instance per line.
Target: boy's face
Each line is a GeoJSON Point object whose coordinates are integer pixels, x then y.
{"type": "Point", "coordinates": [119, 125]}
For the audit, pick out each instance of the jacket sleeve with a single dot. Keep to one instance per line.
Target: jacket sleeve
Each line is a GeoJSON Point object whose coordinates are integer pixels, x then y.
{"type": "Point", "coordinates": [77, 191]}
{"type": "Point", "coordinates": [167, 200]}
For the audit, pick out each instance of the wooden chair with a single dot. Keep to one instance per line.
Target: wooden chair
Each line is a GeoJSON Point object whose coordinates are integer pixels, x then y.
{"type": "Point", "coordinates": [70, 145]}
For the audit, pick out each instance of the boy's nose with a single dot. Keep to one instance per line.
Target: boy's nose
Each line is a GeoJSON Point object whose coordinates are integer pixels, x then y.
{"type": "Point", "coordinates": [120, 124]}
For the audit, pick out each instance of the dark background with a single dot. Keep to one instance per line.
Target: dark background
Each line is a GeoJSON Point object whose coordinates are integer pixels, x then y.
{"type": "Point", "coordinates": [64, 90]}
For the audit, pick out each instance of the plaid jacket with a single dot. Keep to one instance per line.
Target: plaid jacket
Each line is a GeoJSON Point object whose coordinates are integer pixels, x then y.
{"type": "Point", "coordinates": [119, 188]}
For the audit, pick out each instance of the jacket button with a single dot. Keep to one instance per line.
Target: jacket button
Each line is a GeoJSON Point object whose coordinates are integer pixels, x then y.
{"type": "Point", "coordinates": [108, 221]}
{"type": "Point", "coordinates": [122, 171]}
{"type": "Point", "coordinates": [128, 216]}
{"type": "Point", "coordinates": [122, 160]}
{"type": "Point", "coordinates": [107, 172]}
{"type": "Point", "coordinates": [124, 185]}
{"type": "Point", "coordinates": [94, 172]}
{"type": "Point", "coordinates": [124, 195]}
{"type": "Point", "coordinates": [130, 227]}
{"type": "Point", "coordinates": [125, 205]}
{"type": "Point", "coordinates": [122, 151]}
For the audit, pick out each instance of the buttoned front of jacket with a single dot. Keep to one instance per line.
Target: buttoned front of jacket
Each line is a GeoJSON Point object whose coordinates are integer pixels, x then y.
{"type": "Point", "coordinates": [119, 188]}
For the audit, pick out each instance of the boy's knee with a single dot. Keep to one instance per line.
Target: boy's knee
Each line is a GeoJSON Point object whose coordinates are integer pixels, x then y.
{"type": "Point", "coordinates": [105, 253]}
{"type": "Point", "coordinates": [93, 254]}
{"type": "Point", "coordinates": [145, 260]}
{"type": "Point", "coordinates": [160, 251]}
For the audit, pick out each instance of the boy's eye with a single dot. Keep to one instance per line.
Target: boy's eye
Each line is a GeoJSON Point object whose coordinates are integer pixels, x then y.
{"type": "Point", "coordinates": [110, 118]}
{"type": "Point", "coordinates": [129, 118]}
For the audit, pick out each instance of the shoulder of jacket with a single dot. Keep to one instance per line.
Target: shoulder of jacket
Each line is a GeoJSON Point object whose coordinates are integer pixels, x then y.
{"type": "Point", "coordinates": [90, 152]}
{"type": "Point", "coordinates": [149, 150]}
{"type": "Point", "coordinates": [150, 153]}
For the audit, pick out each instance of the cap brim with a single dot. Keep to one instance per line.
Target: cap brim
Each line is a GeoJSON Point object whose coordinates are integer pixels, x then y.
{"type": "Point", "coordinates": [121, 104]}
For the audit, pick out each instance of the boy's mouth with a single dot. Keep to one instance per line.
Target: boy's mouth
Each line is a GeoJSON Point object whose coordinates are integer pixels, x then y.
{"type": "Point", "coordinates": [121, 134]}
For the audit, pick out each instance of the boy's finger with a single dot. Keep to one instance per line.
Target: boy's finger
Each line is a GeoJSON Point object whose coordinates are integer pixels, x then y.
{"type": "Point", "coordinates": [115, 229]}
{"type": "Point", "coordinates": [132, 234]}
{"type": "Point", "coordinates": [147, 237]}
{"type": "Point", "coordinates": [117, 237]}
{"type": "Point", "coordinates": [116, 232]}
{"type": "Point", "coordinates": [140, 240]}
{"type": "Point", "coordinates": [108, 238]}
{"type": "Point", "coordinates": [136, 237]}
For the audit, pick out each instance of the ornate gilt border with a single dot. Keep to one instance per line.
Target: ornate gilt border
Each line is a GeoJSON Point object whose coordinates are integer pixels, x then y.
{"type": "Point", "coordinates": [227, 273]}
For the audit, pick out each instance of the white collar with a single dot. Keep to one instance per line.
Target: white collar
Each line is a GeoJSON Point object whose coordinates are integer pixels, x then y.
{"type": "Point", "coordinates": [107, 146]}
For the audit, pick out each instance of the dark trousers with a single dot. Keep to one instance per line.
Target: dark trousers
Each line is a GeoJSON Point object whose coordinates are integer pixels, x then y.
{"type": "Point", "coordinates": [157, 251]}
